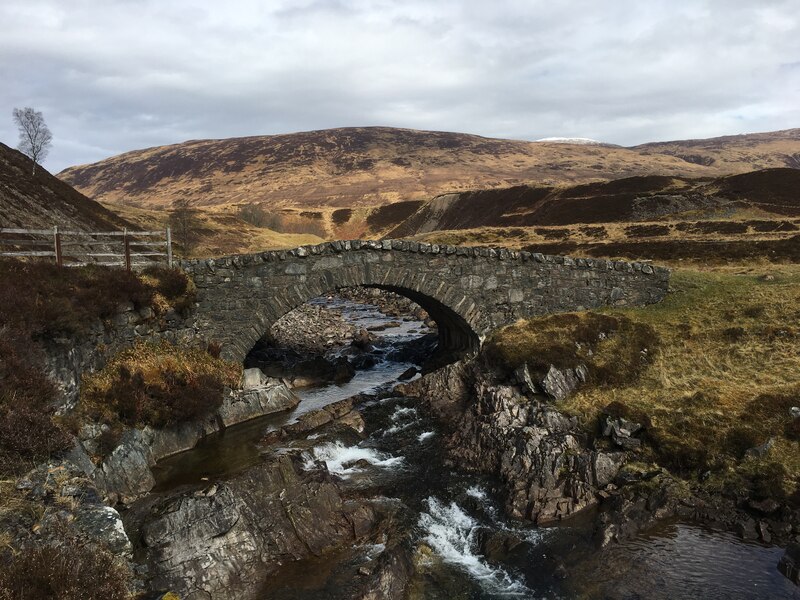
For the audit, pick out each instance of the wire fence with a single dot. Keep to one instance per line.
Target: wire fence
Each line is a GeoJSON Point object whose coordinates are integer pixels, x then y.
{"type": "Point", "coordinates": [126, 248]}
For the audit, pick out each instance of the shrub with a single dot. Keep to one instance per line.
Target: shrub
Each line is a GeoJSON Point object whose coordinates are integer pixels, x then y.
{"type": "Point", "coordinates": [70, 571]}
{"type": "Point", "coordinates": [47, 301]}
{"type": "Point", "coordinates": [174, 285]}
{"type": "Point", "coordinates": [28, 433]}
{"type": "Point", "coordinates": [158, 385]}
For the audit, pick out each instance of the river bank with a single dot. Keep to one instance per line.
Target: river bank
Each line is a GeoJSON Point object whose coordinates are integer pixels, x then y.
{"type": "Point", "coordinates": [466, 482]}
{"type": "Point", "coordinates": [426, 463]}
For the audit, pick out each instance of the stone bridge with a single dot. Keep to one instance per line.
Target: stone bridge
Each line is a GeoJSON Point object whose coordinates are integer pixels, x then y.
{"type": "Point", "coordinates": [468, 291]}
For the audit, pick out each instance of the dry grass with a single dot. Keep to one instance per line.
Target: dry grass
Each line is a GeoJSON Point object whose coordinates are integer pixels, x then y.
{"type": "Point", "coordinates": [70, 570]}
{"type": "Point", "coordinates": [157, 385]}
{"type": "Point", "coordinates": [221, 231]}
{"type": "Point", "coordinates": [722, 378]}
{"type": "Point", "coordinates": [519, 237]}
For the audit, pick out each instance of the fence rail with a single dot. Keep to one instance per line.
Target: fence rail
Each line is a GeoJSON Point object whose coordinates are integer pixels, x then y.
{"type": "Point", "coordinates": [75, 248]}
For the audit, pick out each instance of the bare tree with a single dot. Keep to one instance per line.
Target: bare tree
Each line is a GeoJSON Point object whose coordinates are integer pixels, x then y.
{"type": "Point", "coordinates": [34, 135]}
{"type": "Point", "coordinates": [185, 223]}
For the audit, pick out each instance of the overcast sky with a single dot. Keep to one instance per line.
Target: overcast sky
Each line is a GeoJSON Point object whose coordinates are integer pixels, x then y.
{"type": "Point", "coordinates": [117, 75]}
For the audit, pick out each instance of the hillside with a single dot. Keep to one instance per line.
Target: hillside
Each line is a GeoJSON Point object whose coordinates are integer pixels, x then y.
{"type": "Point", "coordinates": [41, 201]}
{"type": "Point", "coordinates": [372, 166]}
{"type": "Point", "coordinates": [735, 153]}
{"type": "Point", "coordinates": [354, 167]}
{"type": "Point", "coordinates": [738, 217]}
{"type": "Point", "coordinates": [768, 193]}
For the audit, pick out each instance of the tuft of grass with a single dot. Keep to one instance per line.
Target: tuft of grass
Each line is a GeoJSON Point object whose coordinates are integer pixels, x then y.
{"type": "Point", "coordinates": [614, 348]}
{"type": "Point", "coordinates": [158, 385]}
{"type": "Point", "coordinates": [68, 571]}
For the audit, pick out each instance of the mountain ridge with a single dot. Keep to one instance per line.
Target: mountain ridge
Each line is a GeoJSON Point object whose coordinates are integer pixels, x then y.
{"type": "Point", "coordinates": [372, 166]}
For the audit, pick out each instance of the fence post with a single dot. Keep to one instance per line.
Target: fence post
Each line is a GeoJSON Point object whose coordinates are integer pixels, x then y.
{"type": "Point", "coordinates": [127, 243]}
{"type": "Point", "coordinates": [169, 246]}
{"type": "Point", "coordinates": [57, 246]}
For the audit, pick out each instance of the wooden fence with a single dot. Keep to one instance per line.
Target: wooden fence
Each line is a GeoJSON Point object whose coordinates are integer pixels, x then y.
{"type": "Point", "coordinates": [126, 248]}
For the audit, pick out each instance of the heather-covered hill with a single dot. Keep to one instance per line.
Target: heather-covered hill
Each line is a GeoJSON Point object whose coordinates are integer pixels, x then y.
{"type": "Point", "coordinates": [41, 201]}
{"type": "Point", "coordinates": [353, 167]}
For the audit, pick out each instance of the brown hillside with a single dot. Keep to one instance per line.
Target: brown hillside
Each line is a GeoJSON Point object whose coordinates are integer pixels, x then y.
{"type": "Point", "coordinates": [735, 153]}
{"type": "Point", "coordinates": [768, 193]}
{"type": "Point", "coordinates": [41, 201]}
{"type": "Point", "coordinates": [356, 167]}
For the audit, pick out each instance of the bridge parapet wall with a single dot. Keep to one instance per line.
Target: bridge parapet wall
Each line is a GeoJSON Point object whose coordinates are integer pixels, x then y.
{"type": "Point", "coordinates": [469, 291]}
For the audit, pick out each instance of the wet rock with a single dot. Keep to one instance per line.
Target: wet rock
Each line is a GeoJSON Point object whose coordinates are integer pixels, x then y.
{"type": "Point", "coordinates": [533, 448]}
{"type": "Point", "coordinates": [747, 529]}
{"type": "Point", "coordinates": [764, 533]}
{"type": "Point", "coordinates": [226, 545]}
{"type": "Point", "coordinates": [309, 422]}
{"type": "Point", "coordinates": [354, 421]}
{"type": "Point", "coordinates": [560, 383]}
{"type": "Point", "coordinates": [408, 374]}
{"type": "Point", "coordinates": [340, 412]}
{"type": "Point", "coordinates": [415, 351]}
{"type": "Point", "coordinates": [633, 509]}
{"type": "Point", "coordinates": [495, 546]}
{"type": "Point", "coordinates": [362, 362]}
{"type": "Point", "coordinates": [390, 577]}
{"type": "Point", "coordinates": [789, 564]}
{"type": "Point", "coordinates": [362, 340]}
{"type": "Point", "coordinates": [266, 397]}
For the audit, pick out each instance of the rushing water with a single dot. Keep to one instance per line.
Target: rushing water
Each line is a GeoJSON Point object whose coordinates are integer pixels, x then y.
{"type": "Point", "coordinates": [464, 545]}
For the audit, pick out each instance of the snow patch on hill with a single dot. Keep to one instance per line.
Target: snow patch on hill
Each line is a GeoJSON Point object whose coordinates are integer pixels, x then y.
{"type": "Point", "coordinates": [571, 140]}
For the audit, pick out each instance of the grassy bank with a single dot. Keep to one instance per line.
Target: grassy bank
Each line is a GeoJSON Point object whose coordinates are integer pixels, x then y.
{"type": "Point", "coordinates": [712, 371]}
{"type": "Point", "coordinates": [157, 385]}
{"type": "Point", "coordinates": [39, 302]}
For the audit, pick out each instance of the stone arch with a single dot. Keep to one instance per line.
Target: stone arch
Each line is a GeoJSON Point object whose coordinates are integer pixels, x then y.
{"type": "Point", "coordinates": [468, 291]}
{"type": "Point", "coordinates": [456, 333]}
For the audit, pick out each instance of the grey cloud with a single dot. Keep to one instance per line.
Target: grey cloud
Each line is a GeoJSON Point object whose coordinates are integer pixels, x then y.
{"type": "Point", "coordinates": [121, 75]}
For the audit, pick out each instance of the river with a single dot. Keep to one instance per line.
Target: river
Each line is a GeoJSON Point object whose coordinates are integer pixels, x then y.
{"type": "Point", "coordinates": [462, 544]}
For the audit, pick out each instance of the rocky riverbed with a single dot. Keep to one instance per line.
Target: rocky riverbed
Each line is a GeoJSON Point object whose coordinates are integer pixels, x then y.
{"type": "Point", "coordinates": [462, 483]}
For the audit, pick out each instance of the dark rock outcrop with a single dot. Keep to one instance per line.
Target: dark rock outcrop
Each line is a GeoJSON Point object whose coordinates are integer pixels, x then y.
{"type": "Point", "coordinates": [224, 541]}
{"type": "Point", "coordinates": [540, 454]}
